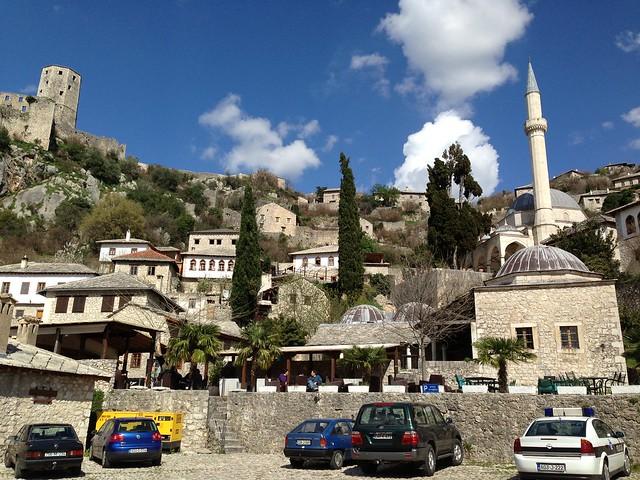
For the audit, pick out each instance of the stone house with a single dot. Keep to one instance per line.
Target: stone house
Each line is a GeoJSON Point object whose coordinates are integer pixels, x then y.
{"type": "Point", "coordinates": [593, 199]}
{"type": "Point", "coordinates": [626, 181]}
{"type": "Point", "coordinates": [570, 175]}
{"type": "Point", "coordinates": [320, 263]}
{"type": "Point", "coordinates": [331, 196]}
{"type": "Point", "coordinates": [273, 218]}
{"type": "Point", "coordinates": [25, 280]}
{"type": "Point", "coordinates": [116, 247]}
{"type": "Point", "coordinates": [407, 197]}
{"type": "Point", "coordinates": [627, 219]}
{"type": "Point", "coordinates": [367, 227]}
{"type": "Point", "coordinates": [297, 297]}
{"type": "Point", "coordinates": [40, 386]}
{"type": "Point", "coordinates": [150, 266]}
{"type": "Point", "coordinates": [231, 218]}
{"type": "Point", "coordinates": [206, 240]}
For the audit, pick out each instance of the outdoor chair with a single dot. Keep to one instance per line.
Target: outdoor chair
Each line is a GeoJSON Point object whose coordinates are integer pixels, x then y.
{"type": "Point", "coordinates": [546, 386]}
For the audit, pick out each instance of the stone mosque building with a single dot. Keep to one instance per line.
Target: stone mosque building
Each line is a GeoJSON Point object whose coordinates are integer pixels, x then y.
{"type": "Point", "coordinates": [533, 217]}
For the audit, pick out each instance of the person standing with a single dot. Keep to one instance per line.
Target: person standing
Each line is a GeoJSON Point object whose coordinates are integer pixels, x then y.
{"type": "Point", "coordinates": [283, 378]}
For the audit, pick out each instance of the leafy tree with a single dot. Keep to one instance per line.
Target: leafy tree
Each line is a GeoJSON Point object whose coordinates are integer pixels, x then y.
{"type": "Point", "coordinates": [368, 244]}
{"type": "Point", "coordinates": [496, 352]}
{"type": "Point", "coordinates": [287, 330]}
{"type": "Point", "coordinates": [320, 193]}
{"type": "Point", "coordinates": [111, 217]}
{"type": "Point", "coordinates": [381, 283]}
{"type": "Point", "coordinates": [384, 195]}
{"type": "Point", "coordinates": [11, 225]}
{"type": "Point", "coordinates": [460, 167]}
{"type": "Point", "coordinates": [71, 211]}
{"type": "Point", "coordinates": [212, 218]}
{"type": "Point", "coordinates": [247, 274]}
{"type": "Point", "coordinates": [165, 178]}
{"type": "Point", "coordinates": [130, 168]}
{"type": "Point", "coordinates": [195, 343]}
{"type": "Point", "coordinates": [194, 193]}
{"type": "Point", "coordinates": [617, 199]}
{"type": "Point", "coordinates": [5, 139]}
{"type": "Point", "coordinates": [589, 243]}
{"type": "Point", "coordinates": [104, 168]}
{"type": "Point", "coordinates": [365, 359]}
{"type": "Point", "coordinates": [259, 345]}
{"type": "Point", "coordinates": [350, 269]}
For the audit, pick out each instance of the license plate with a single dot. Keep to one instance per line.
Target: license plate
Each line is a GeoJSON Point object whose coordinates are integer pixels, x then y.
{"type": "Point", "coordinates": [303, 442]}
{"type": "Point", "coordinates": [137, 450]}
{"type": "Point", "coordinates": [551, 467]}
{"type": "Point", "coordinates": [383, 436]}
{"type": "Point", "coordinates": [55, 454]}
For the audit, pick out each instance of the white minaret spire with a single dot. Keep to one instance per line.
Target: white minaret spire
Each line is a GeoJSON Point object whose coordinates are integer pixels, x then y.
{"type": "Point", "coordinates": [535, 128]}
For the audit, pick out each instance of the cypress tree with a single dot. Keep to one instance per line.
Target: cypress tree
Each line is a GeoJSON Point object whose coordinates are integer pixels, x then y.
{"type": "Point", "coordinates": [351, 268]}
{"type": "Point", "coordinates": [246, 274]}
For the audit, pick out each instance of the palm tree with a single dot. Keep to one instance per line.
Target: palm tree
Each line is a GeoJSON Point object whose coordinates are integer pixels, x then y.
{"type": "Point", "coordinates": [260, 345]}
{"type": "Point", "coordinates": [496, 352]}
{"type": "Point", "coordinates": [195, 343]}
{"type": "Point", "coordinates": [365, 359]}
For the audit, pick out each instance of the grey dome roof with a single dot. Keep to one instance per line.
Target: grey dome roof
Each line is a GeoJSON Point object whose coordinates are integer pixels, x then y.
{"type": "Point", "coordinates": [506, 228]}
{"type": "Point", "coordinates": [541, 258]}
{"type": "Point", "coordinates": [412, 312]}
{"type": "Point", "coordinates": [558, 200]}
{"type": "Point", "coordinates": [363, 314]}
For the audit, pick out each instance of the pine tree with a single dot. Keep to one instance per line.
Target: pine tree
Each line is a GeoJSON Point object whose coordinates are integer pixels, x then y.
{"type": "Point", "coordinates": [351, 268]}
{"type": "Point", "coordinates": [246, 274]}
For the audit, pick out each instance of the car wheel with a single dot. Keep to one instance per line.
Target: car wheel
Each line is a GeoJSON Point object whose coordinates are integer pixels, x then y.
{"type": "Point", "coordinates": [296, 462]}
{"type": "Point", "coordinates": [457, 454]}
{"type": "Point", "coordinates": [7, 462]}
{"type": "Point", "coordinates": [626, 471]}
{"type": "Point", "coordinates": [156, 462]}
{"type": "Point", "coordinates": [106, 463]}
{"type": "Point", "coordinates": [18, 471]}
{"type": "Point", "coordinates": [337, 460]}
{"type": "Point", "coordinates": [368, 468]}
{"type": "Point", "coordinates": [430, 462]}
{"type": "Point", "coordinates": [606, 475]}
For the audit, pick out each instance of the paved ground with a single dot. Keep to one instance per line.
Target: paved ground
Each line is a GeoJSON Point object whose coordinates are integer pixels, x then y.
{"type": "Point", "coordinates": [267, 467]}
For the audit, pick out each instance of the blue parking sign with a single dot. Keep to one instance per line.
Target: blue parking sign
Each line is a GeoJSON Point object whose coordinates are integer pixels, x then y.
{"type": "Point", "coordinates": [429, 388]}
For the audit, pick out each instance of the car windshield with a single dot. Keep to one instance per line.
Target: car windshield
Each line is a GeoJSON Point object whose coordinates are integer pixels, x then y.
{"type": "Point", "coordinates": [52, 432]}
{"type": "Point", "coordinates": [311, 427]}
{"type": "Point", "coordinates": [136, 426]}
{"type": "Point", "coordinates": [384, 415]}
{"type": "Point", "coordinates": [557, 428]}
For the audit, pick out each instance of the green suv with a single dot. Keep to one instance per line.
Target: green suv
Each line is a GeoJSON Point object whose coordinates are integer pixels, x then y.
{"type": "Point", "coordinates": [404, 432]}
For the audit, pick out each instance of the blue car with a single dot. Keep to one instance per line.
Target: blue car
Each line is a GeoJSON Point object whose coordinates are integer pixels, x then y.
{"type": "Point", "coordinates": [322, 439]}
{"type": "Point", "coordinates": [127, 440]}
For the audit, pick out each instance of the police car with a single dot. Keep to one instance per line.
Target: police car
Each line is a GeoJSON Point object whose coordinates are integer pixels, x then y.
{"type": "Point", "coordinates": [571, 443]}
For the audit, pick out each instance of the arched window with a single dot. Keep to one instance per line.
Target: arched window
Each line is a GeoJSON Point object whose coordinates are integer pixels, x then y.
{"type": "Point", "coordinates": [192, 264]}
{"type": "Point", "coordinates": [203, 265]}
{"type": "Point", "coordinates": [305, 261]}
{"type": "Point", "coordinates": [230, 266]}
{"type": "Point", "coordinates": [331, 261]}
{"type": "Point", "coordinates": [630, 223]}
{"type": "Point", "coordinates": [212, 264]}
{"type": "Point", "coordinates": [221, 265]}
{"type": "Point", "coordinates": [317, 261]}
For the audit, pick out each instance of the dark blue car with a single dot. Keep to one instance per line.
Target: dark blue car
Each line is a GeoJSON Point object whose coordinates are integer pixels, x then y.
{"type": "Point", "coordinates": [323, 439]}
{"type": "Point", "coordinates": [127, 440]}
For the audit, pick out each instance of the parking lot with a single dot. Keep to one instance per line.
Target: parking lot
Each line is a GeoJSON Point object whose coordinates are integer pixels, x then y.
{"type": "Point", "coordinates": [245, 467]}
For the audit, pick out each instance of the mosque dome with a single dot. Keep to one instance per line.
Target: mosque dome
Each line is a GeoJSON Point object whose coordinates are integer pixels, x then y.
{"type": "Point", "coordinates": [412, 312]}
{"type": "Point", "coordinates": [541, 258]}
{"type": "Point", "coordinates": [559, 200]}
{"type": "Point", "coordinates": [507, 228]}
{"type": "Point", "coordinates": [363, 314]}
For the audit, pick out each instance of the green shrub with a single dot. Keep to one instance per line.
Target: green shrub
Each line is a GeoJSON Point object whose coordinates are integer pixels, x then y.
{"type": "Point", "coordinates": [5, 139]}
{"type": "Point", "coordinates": [165, 178]}
{"type": "Point", "coordinates": [381, 283]}
{"type": "Point", "coordinates": [11, 225]}
{"type": "Point", "coordinates": [70, 213]}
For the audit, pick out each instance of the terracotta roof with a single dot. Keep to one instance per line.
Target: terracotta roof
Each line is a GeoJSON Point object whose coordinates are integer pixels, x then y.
{"type": "Point", "coordinates": [325, 249]}
{"type": "Point", "coordinates": [42, 268]}
{"type": "Point", "coordinates": [149, 255]}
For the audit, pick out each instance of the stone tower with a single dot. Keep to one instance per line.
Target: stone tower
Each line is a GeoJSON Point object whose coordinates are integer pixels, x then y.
{"type": "Point", "coordinates": [62, 85]}
{"type": "Point", "coordinates": [535, 128]}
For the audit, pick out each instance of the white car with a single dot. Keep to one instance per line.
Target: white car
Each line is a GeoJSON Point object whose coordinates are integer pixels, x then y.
{"type": "Point", "coordinates": [571, 443]}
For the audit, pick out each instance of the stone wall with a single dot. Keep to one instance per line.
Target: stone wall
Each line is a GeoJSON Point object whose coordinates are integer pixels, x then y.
{"type": "Point", "coordinates": [488, 422]}
{"type": "Point", "coordinates": [312, 237]}
{"type": "Point", "coordinates": [630, 255]}
{"type": "Point", "coordinates": [71, 404]}
{"type": "Point", "coordinates": [33, 126]}
{"type": "Point", "coordinates": [104, 145]}
{"type": "Point", "coordinates": [194, 404]}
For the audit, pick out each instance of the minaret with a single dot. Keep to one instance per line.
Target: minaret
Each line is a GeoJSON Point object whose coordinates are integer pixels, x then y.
{"type": "Point", "coordinates": [535, 128]}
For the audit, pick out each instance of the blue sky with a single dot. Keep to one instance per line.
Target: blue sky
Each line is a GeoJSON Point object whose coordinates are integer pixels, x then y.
{"type": "Point", "coordinates": [286, 85]}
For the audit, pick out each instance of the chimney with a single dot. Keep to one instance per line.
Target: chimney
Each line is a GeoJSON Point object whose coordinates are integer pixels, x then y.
{"type": "Point", "coordinates": [24, 262]}
{"type": "Point", "coordinates": [128, 235]}
{"type": "Point", "coordinates": [6, 313]}
{"type": "Point", "coordinates": [28, 330]}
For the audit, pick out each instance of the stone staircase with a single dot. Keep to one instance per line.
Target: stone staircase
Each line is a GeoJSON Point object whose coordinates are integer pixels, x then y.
{"type": "Point", "coordinates": [226, 439]}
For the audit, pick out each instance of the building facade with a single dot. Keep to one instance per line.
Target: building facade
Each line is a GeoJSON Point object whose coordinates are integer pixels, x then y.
{"type": "Point", "coordinates": [273, 218]}
{"type": "Point", "coordinates": [220, 238]}
{"type": "Point", "coordinates": [627, 219]}
{"type": "Point", "coordinates": [151, 267]}
{"type": "Point", "coordinates": [109, 249]}
{"type": "Point", "coordinates": [626, 181]}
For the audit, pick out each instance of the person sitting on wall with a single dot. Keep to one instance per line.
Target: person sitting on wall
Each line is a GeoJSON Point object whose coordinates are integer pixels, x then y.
{"type": "Point", "coordinates": [283, 378]}
{"type": "Point", "coordinates": [313, 381]}
{"type": "Point", "coordinates": [196, 378]}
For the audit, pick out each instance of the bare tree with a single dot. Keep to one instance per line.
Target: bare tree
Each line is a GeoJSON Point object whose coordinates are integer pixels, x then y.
{"type": "Point", "coordinates": [433, 309]}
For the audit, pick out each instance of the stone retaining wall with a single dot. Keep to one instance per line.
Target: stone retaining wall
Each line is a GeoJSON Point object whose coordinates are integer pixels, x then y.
{"type": "Point", "coordinates": [489, 422]}
{"type": "Point", "coordinates": [194, 404]}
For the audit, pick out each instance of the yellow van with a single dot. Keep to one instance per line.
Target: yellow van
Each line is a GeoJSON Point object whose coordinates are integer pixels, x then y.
{"type": "Point", "coordinates": [169, 425]}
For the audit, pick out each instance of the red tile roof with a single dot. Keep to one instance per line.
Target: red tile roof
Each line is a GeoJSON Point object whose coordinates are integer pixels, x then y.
{"type": "Point", "coordinates": [148, 255]}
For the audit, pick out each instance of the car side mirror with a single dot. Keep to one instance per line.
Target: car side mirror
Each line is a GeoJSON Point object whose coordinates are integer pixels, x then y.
{"type": "Point", "coordinates": [618, 434]}
{"type": "Point", "coordinates": [449, 420]}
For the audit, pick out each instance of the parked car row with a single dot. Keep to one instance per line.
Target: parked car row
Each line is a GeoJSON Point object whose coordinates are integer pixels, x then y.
{"type": "Point", "coordinates": [569, 442]}
{"type": "Point", "coordinates": [56, 447]}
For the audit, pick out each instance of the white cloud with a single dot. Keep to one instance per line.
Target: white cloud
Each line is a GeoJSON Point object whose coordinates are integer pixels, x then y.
{"type": "Point", "coordinates": [576, 138]}
{"type": "Point", "coordinates": [458, 46]}
{"type": "Point", "coordinates": [608, 125]}
{"type": "Point", "coordinates": [635, 144]}
{"type": "Point", "coordinates": [303, 130]}
{"type": "Point", "coordinates": [208, 153]}
{"type": "Point", "coordinates": [424, 146]}
{"type": "Point", "coordinates": [256, 143]}
{"type": "Point", "coordinates": [30, 89]}
{"type": "Point", "coordinates": [628, 41]}
{"type": "Point", "coordinates": [376, 65]}
{"type": "Point", "coordinates": [632, 117]}
{"type": "Point", "coordinates": [330, 143]}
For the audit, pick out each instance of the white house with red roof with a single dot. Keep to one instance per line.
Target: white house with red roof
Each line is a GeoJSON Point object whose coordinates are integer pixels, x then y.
{"type": "Point", "coordinates": [151, 267]}
{"type": "Point", "coordinates": [116, 247]}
